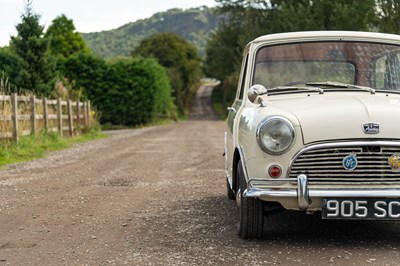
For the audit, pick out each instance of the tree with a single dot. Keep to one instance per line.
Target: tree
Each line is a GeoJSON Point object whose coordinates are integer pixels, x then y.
{"type": "Point", "coordinates": [138, 92]}
{"type": "Point", "coordinates": [224, 57]}
{"type": "Point", "coordinates": [88, 72]}
{"type": "Point", "coordinates": [64, 40]}
{"type": "Point", "coordinates": [223, 51]}
{"type": "Point", "coordinates": [181, 60]}
{"type": "Point", "coordinates": [324, 15]}
{"type": "Point", "coordinates": [37, 69]}
{"type": "Point", "coordinates": [248, 19]}
{"type": "Point", "coordinates": [388, 13]}
{"type": "Point", "coordinates": [10, 69]}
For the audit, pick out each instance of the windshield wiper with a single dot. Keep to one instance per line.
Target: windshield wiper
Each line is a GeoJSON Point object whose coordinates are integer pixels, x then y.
{"type": "Point", "coordinates": [294, 89]}
{"type": "Point", "coordinates": [341, 85]}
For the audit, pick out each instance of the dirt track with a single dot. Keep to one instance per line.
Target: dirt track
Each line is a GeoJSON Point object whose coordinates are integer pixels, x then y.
{"type": "Point", "coordinates": [156, 196]}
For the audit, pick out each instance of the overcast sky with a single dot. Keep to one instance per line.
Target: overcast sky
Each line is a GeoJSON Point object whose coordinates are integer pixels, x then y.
{"type": "Point", "coordinates": [88, 15]}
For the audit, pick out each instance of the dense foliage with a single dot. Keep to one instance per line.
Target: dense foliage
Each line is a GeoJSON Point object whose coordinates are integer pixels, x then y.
{"type": "Point", "coordinates": [181, 60]}
{"type": "Point", "coordinates": [127, 92]}
{"type": "Point", "coordinates": [34, 62]}
{"type": "Point", "coordinates": [10, 67]}
{"type": "Point", "coordinates": [194, 25]}
{"type": "Point", "coordinates": [248, 19]}
{"type": "Point", "coordinates": [64, 40]}
{"type": "Point", "coordinates": [388, 16]}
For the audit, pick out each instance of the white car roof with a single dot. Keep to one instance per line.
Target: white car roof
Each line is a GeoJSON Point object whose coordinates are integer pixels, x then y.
{"type": "Point", "coordinates": [327, 35]}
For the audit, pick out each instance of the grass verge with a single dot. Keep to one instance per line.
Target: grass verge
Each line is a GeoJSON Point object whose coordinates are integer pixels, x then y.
{"type": "Point", "coordinates": [33, 147]}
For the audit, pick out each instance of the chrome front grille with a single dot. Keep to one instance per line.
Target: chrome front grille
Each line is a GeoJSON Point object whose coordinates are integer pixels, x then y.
{"type": "Point", "coordinates": [323, 164]}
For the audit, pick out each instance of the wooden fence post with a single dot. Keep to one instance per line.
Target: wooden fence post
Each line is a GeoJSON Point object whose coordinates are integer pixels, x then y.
{"type": "Point", "coordinates": [59, 116]}
{"type": "Point", "coordinates": [14, 103]}
{"type": "Point", "coordinates": [85, 123]}
{"type": "Point", "coordinates": [33, 115]}
{"type": "Point", "coordinates": [88, 113]}
{"type": "Point", "coordinates": [45, 114]}
{"type": "Point", "coordinates": [78, 114]}
{"type": "Point", "coordinates": [70, 124]}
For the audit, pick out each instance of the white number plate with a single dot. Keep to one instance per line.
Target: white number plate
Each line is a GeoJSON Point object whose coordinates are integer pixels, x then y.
{"type": "Point", "coordinates": [364, 209]}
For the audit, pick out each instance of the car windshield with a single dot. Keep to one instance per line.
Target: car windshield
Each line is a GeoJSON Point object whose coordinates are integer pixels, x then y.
{"type": "Point", "coordinates": [374, 65]}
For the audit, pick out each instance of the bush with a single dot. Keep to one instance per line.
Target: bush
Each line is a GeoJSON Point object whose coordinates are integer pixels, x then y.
{"type": "Point", "coordinates": [139, 92]}
{"type": "Point", "coordinates": [126, 92]}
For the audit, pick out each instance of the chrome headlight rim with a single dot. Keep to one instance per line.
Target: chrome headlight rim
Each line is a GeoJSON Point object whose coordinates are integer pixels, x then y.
{"type": "Point", "coordinates": [270, 119]}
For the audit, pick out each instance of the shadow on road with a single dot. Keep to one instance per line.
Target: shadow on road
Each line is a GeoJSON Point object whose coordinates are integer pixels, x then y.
{"type": "Point", "coordinates": [298, 228]}
{"type": "Point", "coordinates": [302, 228]}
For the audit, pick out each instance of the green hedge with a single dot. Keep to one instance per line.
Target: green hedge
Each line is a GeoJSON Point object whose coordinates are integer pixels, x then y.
{"type": "Point", "coordinates": [127, 92]}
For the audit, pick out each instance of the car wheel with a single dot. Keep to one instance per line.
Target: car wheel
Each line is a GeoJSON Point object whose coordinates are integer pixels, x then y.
{"type": "Point", "coordinates": [250, 210]}
{"type": "Point", "coordinates": [229, 191]}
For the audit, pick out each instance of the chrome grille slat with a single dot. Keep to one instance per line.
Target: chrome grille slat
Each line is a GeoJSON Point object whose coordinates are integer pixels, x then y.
{"type": "Point", "coordinates": [330, 157]}
{"type": "Point", "coordinates": [357, 182]}
{"type": "Point", "coordinates": [360, 179]}
{"type": "Point", "coordinates": [348, 176]}
{"type": "Point", "coordinates": [325, 165]}
{"type": "Point", "coordinates": [320, 165]}
{"type": "Point", "coordinates": [354, 172]}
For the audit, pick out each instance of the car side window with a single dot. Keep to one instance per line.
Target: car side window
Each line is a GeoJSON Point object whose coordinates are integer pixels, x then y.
{"type": "Point", "coordinates": [380, 72]}
{"type": "Point", "coordinates": [396, 72]}
{"type": "Point", "coordinates": [243, 78]}
{"type": "Point", "coordinates": [387, 72]}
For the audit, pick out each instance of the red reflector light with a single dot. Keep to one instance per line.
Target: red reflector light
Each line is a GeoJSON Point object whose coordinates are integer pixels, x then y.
{"type": "Point", "coordinates": [275, 171]}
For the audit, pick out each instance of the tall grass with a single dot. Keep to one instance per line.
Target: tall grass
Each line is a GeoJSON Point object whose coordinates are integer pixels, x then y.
{"type": "Point", "coordinates": [5, 106]}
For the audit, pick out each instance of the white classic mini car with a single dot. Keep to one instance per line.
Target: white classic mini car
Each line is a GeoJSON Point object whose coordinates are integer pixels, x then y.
{"type": "Point", "coordinates": [315, 126]}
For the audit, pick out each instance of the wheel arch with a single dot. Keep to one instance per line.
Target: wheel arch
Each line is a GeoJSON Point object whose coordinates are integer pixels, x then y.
{"type": "Point", "coordinates": [238, 156]}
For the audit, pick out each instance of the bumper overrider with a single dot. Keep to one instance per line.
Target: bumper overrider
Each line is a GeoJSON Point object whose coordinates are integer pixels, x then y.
{"type": "Point", "coordinates": [304, 194]}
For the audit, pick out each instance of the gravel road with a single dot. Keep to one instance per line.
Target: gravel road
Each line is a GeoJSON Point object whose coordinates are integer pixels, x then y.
{"type": "Point", "coordinates": [156, 196]}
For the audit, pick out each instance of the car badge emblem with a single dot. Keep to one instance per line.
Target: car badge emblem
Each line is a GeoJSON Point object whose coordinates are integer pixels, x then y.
{"type": "Point", "coordinates": [350, 162]}
{"type": "Point", "coordinates": [394, 162]}
{"type": "Point", "coordinates": [371, 128]}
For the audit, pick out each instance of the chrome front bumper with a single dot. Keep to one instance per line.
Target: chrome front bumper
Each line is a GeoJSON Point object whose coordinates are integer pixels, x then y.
{"type": "Point", "coordinates": [303, 193]}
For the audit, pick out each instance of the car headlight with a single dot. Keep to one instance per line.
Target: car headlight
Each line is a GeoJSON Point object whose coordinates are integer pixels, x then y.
{"type": "Point", "coordinates": [275, 135]}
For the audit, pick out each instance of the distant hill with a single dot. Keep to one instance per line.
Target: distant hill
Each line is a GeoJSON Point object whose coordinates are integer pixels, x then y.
{"type": "Point", "coordinates": [195, 25]}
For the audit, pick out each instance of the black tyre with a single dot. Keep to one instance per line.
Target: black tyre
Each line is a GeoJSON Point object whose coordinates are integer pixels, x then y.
{"type": "Point", "coordinates": [250, 211]}
{"type": "Point", "coordinates": [231, 195]}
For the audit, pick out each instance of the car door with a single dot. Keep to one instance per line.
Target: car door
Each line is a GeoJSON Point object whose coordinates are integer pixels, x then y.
{"type": "Point", "coordinates": [234, 109]}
